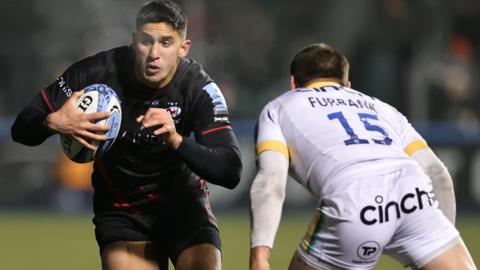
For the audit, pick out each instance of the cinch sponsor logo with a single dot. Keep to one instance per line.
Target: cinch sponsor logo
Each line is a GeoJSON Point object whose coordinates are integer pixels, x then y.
{"type": "Point", "coordinates": [64, 87]}
{"type": "Point", "coordinates": [409, 203]}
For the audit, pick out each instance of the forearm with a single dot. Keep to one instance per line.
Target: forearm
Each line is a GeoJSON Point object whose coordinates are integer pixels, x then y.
{"type": "Point", "coordinates": [445, 194]}
{"type": "Point", "coordinates": [216, 158]}
{"type": "Point", "coordinates": [267, 195]}
{"type": "Point", "coordinates": [441, 181]}
{"type": "Point", "coordinates": [29, 127]}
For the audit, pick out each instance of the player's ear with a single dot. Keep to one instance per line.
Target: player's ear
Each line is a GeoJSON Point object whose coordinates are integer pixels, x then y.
{"type": "Point", "coordinates": [348, 84]}
{"type": "Point", "coordinates": [293, 85]}
{"type": "Point", "coordinates": [185, 48]}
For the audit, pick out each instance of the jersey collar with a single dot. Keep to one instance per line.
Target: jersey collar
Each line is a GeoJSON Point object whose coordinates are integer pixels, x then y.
{"type": "Point", "coordinates": [320, 84]}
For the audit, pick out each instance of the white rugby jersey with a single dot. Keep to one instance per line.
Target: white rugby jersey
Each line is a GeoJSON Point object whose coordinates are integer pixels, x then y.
{"type": "Point", "coordinates": [331, 133]}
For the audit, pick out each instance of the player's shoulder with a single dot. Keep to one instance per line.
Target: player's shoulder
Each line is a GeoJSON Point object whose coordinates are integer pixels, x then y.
{"type": "Point", "coordinates": [273, 106]}
{"type": "Point", "coordinates": [191, 75]}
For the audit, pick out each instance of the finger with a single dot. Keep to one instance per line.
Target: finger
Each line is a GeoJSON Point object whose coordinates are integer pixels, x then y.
{"type": "Point", "coordinates": [165, 129]}
{"type": "Point", "coordinates": [97, 116]}
{"type": "Point", "coordinates": [154, 113]}
{"type": "Point", "coordinates": [93, 136]}
{"type": "Point", "coordinates": [77, 94]}
{"type": "Point", "coordinates": [147, 115]}
{"type": "Point", "coordinates": [139, 120]}
{"type": "Point", "coordinates": [158, 123]}
{"type": "Point", "coordinates": [97, 127]}
{"type": "Point", "coordinates": [85, 143]}
{"type": "Point", "coordinates": [157, 118]}
{"type": "Point", "coordinates": [150, 115]}
{"type": "Point", "coordinates": [74, 97]}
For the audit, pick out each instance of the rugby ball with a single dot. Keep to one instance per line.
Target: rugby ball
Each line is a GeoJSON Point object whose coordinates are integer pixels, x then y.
{"type": "Point", "coordinates": [96, 98]}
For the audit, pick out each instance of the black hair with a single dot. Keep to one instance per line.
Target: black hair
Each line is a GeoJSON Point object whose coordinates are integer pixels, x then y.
{"type": "Point", "coordinates": [158, 11]}
{"type": "Point", "coordinates": [318, 61]}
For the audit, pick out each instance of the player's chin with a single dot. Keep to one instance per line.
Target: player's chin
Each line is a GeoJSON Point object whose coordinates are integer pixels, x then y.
{"type": "Point", "coordinates": [154, 80]}
{"type": "Point", "coordinates": [152, 74]}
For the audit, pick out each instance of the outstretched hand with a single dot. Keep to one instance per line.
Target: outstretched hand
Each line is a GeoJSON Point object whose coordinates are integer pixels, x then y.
{"type": "Point", "coordinates": [68, 120]}
{"type": "Point", "coordinates": [161, 118]}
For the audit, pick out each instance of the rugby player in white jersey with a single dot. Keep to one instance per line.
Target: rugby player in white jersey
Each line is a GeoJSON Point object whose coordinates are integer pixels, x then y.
{"type": "Point", "coordinates": [380, 188]}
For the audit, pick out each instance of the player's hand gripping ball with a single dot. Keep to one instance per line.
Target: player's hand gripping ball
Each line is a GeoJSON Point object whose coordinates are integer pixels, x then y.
{"type": "Point", "coordinates": [96, 98]}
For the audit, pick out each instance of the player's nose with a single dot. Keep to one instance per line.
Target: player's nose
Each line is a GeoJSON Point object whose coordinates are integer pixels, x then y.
{"type": "Point", "coordinates": [154, 52]}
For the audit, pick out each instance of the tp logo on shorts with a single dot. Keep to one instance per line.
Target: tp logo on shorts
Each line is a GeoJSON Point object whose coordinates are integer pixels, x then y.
{"type": "Point", "coordinates": [368, 250]}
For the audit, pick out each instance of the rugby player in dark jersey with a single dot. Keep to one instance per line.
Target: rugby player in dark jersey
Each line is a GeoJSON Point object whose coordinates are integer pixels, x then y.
{"type": "Point", "coordinates": [151, 200]}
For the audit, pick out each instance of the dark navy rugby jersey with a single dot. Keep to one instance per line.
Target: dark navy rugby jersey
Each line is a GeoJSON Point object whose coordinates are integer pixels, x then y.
{"type": "Point", "coordinates": [139, 171]}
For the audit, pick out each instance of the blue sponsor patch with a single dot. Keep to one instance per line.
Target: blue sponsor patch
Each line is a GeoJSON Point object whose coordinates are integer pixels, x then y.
{"type": "Point", "coordinates": [219, 103]}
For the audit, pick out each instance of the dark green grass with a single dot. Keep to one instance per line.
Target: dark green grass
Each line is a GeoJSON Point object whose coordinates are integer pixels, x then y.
{"type": "Point", "coordinates": [52, 241]}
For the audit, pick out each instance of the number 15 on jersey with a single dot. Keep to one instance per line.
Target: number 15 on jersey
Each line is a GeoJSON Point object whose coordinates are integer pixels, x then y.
{"type": "Point", "coordinates": [364, 118]}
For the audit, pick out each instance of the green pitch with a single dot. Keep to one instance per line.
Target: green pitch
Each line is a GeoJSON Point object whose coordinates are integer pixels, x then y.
{"type": "Point", "coordinates": [50, 241]}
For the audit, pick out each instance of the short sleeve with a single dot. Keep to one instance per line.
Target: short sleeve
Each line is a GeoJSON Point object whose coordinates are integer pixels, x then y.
{"type": "Point", "coordinates": [268, 132]}
{"type": "Point", "coordinates": [411, 140]}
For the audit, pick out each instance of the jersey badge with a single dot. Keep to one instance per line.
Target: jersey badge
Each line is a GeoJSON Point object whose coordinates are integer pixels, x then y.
{"type": "Point", "coordinates": [174, 110]}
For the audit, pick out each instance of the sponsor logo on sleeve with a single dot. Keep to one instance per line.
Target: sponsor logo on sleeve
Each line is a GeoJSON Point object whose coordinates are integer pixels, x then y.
{"type": "Point", "coordinates": [220, 110]}
{"type": "Point", "coordinates": [64, 87]}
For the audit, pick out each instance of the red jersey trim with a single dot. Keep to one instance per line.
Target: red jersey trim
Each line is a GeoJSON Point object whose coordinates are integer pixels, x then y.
{"type": "Point", "coordinates": [215, 129]}
{"type": "Point", "coordinates": [47, 101]}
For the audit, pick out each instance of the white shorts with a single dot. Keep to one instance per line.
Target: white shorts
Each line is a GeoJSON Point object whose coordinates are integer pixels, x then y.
{"type": "Point", "coordinates": [393, 213]}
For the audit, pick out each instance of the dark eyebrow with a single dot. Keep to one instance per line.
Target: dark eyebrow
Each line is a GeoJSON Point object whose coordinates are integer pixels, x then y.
{"type": "Point", "coordinates": [162, 38]}
{"type": "Point", "coordinates": [166, 38]}
{"type": "Point", "coordinates": [146, 35]}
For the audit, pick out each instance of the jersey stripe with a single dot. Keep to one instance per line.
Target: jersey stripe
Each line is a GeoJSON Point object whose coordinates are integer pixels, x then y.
{"type": "Point", "coordinates": [215, 129]}
{"type": "Point", "coordinates": [320, 84]}
{"type": "Point", "coordinates": [47, 101]}
{"type": "Point", "coordinates": [414, 146]}
{"type": "Point", "coordinates": [273, 145]}
{"type": "Point", "coordinates": [315, 226]}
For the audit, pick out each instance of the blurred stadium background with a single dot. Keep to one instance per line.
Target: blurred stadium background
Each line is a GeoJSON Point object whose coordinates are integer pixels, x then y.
{"type": "Point", "coordinates": [420, 56]}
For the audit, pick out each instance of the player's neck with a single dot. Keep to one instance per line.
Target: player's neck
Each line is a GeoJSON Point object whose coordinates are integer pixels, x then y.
{"type": "Point", "coordinates": [322, 82]}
